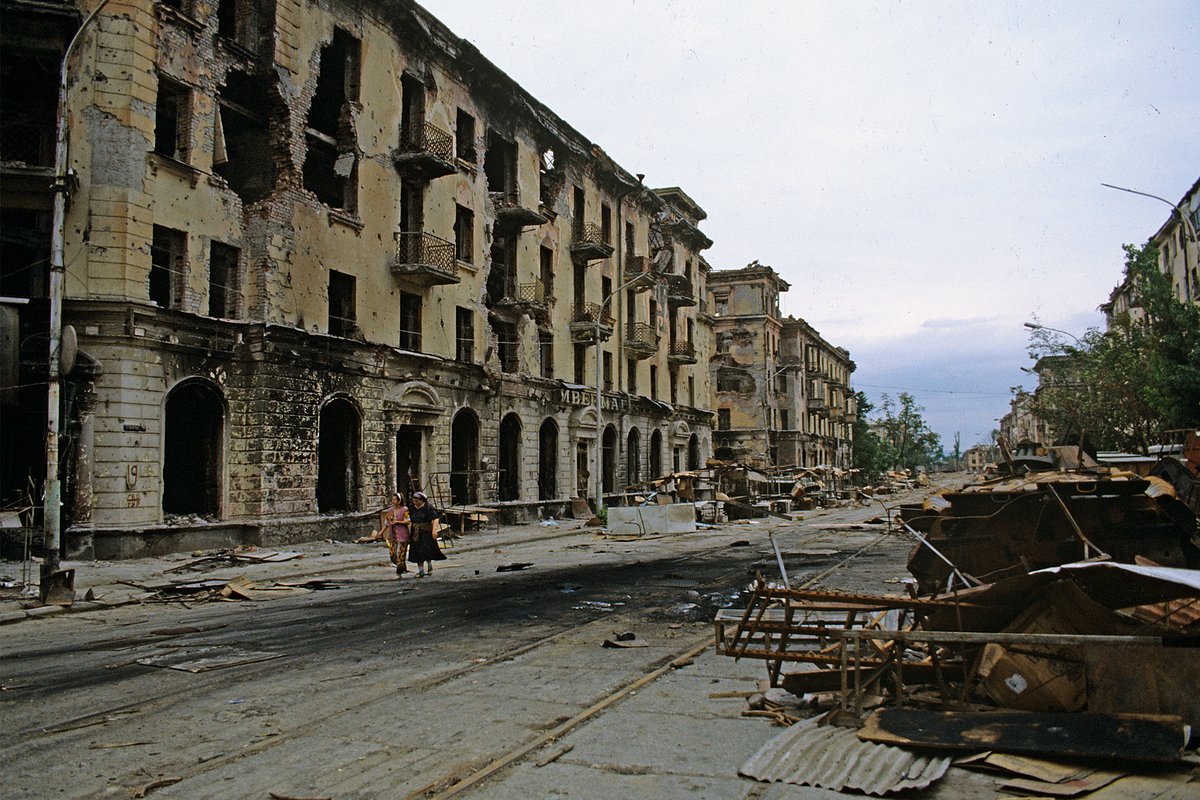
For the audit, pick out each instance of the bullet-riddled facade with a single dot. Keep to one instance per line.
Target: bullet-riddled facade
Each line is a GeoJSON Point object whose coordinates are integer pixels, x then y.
{"type": "Point", "coordinates": [782, 392]}
{"type": "Point", "coordinates": [319, 251]}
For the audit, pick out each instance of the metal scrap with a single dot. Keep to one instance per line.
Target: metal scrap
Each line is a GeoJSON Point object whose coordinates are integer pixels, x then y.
{"type": "Point", "coordinates": [835, 758]}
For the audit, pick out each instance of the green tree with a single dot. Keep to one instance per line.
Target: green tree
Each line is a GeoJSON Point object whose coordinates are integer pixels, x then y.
{"type": "Point", "coordinates": [869, 457]}
{"type": "Point", "coordinates": [907, 439]}
{"type": "Point", "coordinates": [1120, 389]}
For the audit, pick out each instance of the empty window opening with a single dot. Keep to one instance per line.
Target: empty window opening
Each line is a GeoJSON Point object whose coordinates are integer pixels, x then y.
{"type": "Point", "coordinates": [412, 113]}
{"type": "Point", "coordinates": [409, 439]}
{"type": "Point", "coordinates": [546, 353]}
{"type": "Point", "coordinates": [342, 315]}
{"type": "Point", "coordinates": [243, 22]}
{"type": "Point", "coordinates": [410, 322]}
{"type": "Point", "coordinates": [723, 419]}
{"type": "Point", "coordinates": [464, 137]}
{"type": "Point", "coordinates": [653, 381]}
{"type": "Point", "coordinates": [629, 238]}
{"type": "Point", "coordinates": [691, 391]}
{"type": "Point", "coordinates": [578, 205]}
{"type": "Point", "coordinates": [245, 151]}
{"type": "Point", "coordinates": [464, 459]}
{"type": "Point", "coordinates": [412, 206]}
{"type": "Point", "coordinates": [506, 341]}
{"type": "Point", "coordinates": [192, 450]}
{"type": "Point", "coordinates": [546, 255]}
{"type": "Point", "coordinates": [631, 373]}
{"type": "Point", "coordinates": [331, 166]}
{"type": "Point", "coordinates": [673, 379]}
{"type": "Point", "coordinates": [784, 420]}
{"type": "Point", "coordinates": [464, 334]}
{"type": "Point", "coordinates": [168, 264]}
{"type": "Point", "coordinates": [633, 457]}
{"type": "Point", "coordinates": [694, 453]}
{"type": "Point", "coordinates": [550, 178]}
{"type": "Point", "coordinates": [28, 105]}
{"type": "Point", "coordinates": [500, 165]}
{"type": "Point", "coordinates": [464, 234]}
{"type": "Point", "coordinates": [581, 355]}
{"type": "Point", "coordinates": [608, 372]}
{"type": "Point", "coordinates": [655, 455]}
{"type": "Point", "coordinates": [548, 460]}
{"type": "Point", "coordinates": [337, 457]}
{"type": "Point", "coordinates": [24, 253]}
{"type": "Point", "coordinates": [501, 277]}
{"type": "Point", "coordinates": [606, 223]}
{"type": "Point", "coordinates": [222, 281]}
{"type": "Point", "coordinates": [510, 457]}
{"type": "Point", "coordinates": [579, 284]}
{"type": "Point", "coordinates": [173, 120]}
{"type": "Point", "coordinates": [608, 460]}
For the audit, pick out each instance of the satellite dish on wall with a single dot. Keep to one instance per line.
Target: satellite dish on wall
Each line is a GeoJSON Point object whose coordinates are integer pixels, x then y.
{"type": "Point", "coordinates": [68, 350]}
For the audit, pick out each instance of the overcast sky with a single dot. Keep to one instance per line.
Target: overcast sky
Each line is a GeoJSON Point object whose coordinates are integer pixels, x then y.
{"type": "Point", "coordinates": [926, 175]}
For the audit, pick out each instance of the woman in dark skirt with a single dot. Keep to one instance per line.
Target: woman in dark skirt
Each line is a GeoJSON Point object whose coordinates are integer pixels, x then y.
{"type": "Point", "coordinates": [423, 549]}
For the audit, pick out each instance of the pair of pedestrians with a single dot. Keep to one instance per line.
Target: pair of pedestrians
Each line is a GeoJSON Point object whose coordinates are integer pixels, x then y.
{"type": "Point", "coordinates": [409, 534]}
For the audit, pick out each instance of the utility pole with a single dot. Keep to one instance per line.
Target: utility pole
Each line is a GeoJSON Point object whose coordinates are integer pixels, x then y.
{"type": "Point", "coordinates": [52, 510]}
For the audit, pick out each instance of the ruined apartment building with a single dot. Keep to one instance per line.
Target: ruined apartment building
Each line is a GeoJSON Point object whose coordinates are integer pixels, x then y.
{"type": "Point", "coordinates": [1178, 258]}
{"type": "Point", "coordinates": [783, 395]}
{"type": "Point", "coordinates": [319, 250]}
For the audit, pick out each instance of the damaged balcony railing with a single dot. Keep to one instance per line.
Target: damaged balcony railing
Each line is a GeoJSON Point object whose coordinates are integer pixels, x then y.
{"type": "Point", "coordinates": [639, 267]}
{"type": "Point", "coordinates": [641, 340]}
{"type": "Point", "coordinates": [587, 242]}
{"type": "Point", "coordinates": [425, 259]}
{"type": "Point", "coordinates": [426, 149]}
{"type": "Point", "coordinates": [511, 213]}
{"type": "Point", "coordinates": [585, 318]}
{"type": "Point", "coordinates": [679, 290]}
{"type": "Point", "coordinates": [524, 298]}
{"type": "Point", "coordinates": [682, 352]}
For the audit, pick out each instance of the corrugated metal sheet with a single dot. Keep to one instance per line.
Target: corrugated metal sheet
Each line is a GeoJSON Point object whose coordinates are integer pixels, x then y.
{"type": "Point", "coordinates": [835, 758]}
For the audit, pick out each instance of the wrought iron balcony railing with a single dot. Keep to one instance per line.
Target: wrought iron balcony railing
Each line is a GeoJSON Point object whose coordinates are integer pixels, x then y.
{"type": "Point", "coordinates": [425, 258]}
{"type": "Point", "coordinates": [511, 213]}
{"type": "Point", "coordinates": [426, 149]}
{"type": "Point", "coordinates": [587, 242]}
{"type": "Point", "coordinates": [641, 340]}
{"type": "Point", "coordinates": [683, 352]}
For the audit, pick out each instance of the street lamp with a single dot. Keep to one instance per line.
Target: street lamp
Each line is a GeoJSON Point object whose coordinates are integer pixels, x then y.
{"type": "Point", "coordinates": [1036, 326]}
{"type": "Point", "coordinates": [1182, 216]}
{"type": "Point", "coordinates": [53, 500]}
{"type": "Point", "coordinates": [599, 480]}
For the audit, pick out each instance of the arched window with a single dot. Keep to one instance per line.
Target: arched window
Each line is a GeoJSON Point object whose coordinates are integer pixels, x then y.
{"type": "Point", "coordinates": [464, 458]}
{"type": "Point", "coordinates": [510, 457]}
{"type": "Point", "coordinates": [548, 460]}
{"type": "Point", "coordinates": [608, 459]}
{"type": "Point", "coordinates": [193, 436]}
{"type": "Point", "coordinates": [633, 457]}
{"type": "Point", "coordinates": [656, 469]}
{"type": "Point", "coordinates": [338, 443]}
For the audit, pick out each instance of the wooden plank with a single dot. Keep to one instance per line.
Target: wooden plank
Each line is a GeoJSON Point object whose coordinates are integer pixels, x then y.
{"type": "Point", "coordinates": [1132, 737]}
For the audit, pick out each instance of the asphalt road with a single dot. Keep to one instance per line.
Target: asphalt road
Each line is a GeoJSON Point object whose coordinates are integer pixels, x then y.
{"type": "Point", "coordinates": [386, 688]}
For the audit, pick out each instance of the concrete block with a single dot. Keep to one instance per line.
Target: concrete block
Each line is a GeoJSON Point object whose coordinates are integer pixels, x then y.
{"type": "Point", "coordinates": [674, 518]}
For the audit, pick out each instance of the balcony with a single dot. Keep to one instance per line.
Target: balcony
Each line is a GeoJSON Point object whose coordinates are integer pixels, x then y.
{"type": "Point", "coordinates": [587, 242]}
{"type": "Point", "coordinates": [511, 215]}
{"type": "Point", "coordinates": [704, 312]}
{"type": "Point", "coordinates": [584, 322]}
{"type": "Point", "coordinates": [639, 267]}
{"type": "Point", "coordinates": [817, 405]}
{"type": "Point", "coordinates": [524, 298]}
{"type": "Point", "coordinates": [679, 291]}
{"type": "Point", "coordinates": [815, 370]}
{"type": "Point", "coordinates": [682, 353]}
{"type": "Point", "coordinates": [426, 151]}
{"type": "Point", "coordinates": [641, 340]}
{"type": "Point", "coordinates": [424, 259]}
{"type": "Point", "coordinates": [851, 415]}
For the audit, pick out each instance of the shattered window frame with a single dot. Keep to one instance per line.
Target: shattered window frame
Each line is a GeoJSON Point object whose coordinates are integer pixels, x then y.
{"type": "Point", "coordinates": [173, 119]}
{"type": "Point", "coordinates": [410, 322]}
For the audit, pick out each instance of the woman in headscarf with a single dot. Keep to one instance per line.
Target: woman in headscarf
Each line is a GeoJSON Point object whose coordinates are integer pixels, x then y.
{"type": "Point", "coordinates": [424, 550]}
{"type": "Point", "coordinates": [396, 521]}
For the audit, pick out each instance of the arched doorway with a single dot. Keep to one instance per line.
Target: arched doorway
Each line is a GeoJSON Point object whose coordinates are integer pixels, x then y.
{"type": "Point", "coordinates": [694, 453]}
{"type": "Point", "coordinates": [655, 455]}
{"type": "Point", "coordinates": [337, 456]}
{"type": "Point", "coordinates": [193, 433]}
{"type": "Point", "coordinates": [608, 460]}
{"type": "Point", "coordinates": [633, 457]}
{"type": "Point", "coordinates": [464, 458]}
{"type": "Point", "coordinates": [548, 460]}
{"type": "Point", "coordinates": [510, 457]}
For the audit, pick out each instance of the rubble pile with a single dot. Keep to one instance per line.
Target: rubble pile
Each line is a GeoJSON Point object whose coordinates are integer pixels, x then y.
{"type": "Point", "coordinates": [1055, 614]}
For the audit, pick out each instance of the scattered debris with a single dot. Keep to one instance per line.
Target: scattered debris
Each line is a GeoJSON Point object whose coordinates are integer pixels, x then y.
{"type": "Point", "coordinates": [624, 643]}
{"type": "Point", "coordinates": [146, 788]}
{"type": "Point", "coordinates": [237, 555]}
{"type": "Point", "coordinates": [514, 566]}
{"type": "Point", "coordinates": [1132, 737]}
{"type": "Point", "coordinates": [114, 745]}
{"type": "Point", "coordinates": [555, 756]}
